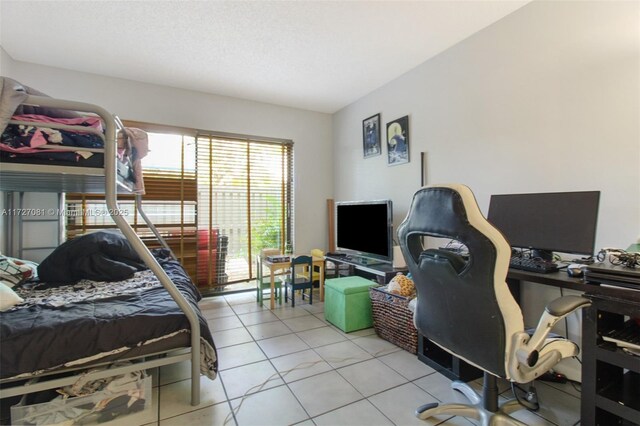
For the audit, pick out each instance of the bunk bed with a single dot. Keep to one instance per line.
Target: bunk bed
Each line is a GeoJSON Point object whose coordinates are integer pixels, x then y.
{"type": "Point", "coordinates": [171, 287]}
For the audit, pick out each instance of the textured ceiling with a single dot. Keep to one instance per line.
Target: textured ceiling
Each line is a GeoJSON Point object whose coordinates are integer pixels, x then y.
{"type": "Point", "coordinates": [315, 55]}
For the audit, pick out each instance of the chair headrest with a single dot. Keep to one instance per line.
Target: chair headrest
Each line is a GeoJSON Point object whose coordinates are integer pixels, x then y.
{"type": "Point", "coordinates": [448, 211]}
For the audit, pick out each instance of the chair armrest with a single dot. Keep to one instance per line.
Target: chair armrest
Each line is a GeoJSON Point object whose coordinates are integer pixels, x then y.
{"type": "Point", "coordinates": [565, 305]}
{"type": "Point", "coordinates": [554, 312]}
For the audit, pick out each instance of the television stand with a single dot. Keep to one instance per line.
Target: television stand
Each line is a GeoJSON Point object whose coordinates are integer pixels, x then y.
{"type": "Point", "coordinates": [365, 261]}
{"type": "Point", "coordinates": [382, 272]}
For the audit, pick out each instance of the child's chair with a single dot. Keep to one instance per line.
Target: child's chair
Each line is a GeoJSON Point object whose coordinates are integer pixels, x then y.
{"type": "Point", "coordinates": [298, 279]}
{"type": "Point", "coordinates": [315, 277]}
{"type": "Point", "coordinates": [264, 282]}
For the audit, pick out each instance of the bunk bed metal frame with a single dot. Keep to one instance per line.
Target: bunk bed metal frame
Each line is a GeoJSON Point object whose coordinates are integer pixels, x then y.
{"type": "Point", "coordinates": [45, 178]}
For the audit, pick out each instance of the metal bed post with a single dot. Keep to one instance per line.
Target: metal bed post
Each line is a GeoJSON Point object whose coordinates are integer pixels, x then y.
{"type": "Point", "coordinates": [9, 224]}
{"type": "Point", "coordinates": [145, 254]}
{"type": "Point", "coordinates": [152, 227]}
{"type": "Point", "coordinates": [20, 224]}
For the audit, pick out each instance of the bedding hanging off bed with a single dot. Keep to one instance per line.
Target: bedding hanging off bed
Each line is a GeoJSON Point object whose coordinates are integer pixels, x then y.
{"type": "Point", "coordinates": [88, 321]}
{"type": "Point", "coordinates": [55, 136]}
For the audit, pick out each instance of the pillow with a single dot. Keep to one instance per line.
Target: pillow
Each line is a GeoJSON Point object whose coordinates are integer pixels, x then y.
{"type": "Point", "coordinates": [15, 271]}
{"type": "Point", "coordinates": [8, 298]}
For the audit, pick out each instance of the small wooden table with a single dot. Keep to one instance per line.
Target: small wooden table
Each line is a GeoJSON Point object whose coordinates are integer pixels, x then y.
{"type": "Point", "coordinates": [277, 266]}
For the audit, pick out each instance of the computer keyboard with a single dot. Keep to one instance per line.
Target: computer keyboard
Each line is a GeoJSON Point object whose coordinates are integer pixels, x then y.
{"type": "Point", "coordinates": [533, 265]}
{"type": "Point", "coordinates": [626, 337]}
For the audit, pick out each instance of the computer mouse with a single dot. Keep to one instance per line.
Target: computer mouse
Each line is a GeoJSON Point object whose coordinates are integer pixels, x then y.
{"type": "Point", "coordinates": [575, 270]}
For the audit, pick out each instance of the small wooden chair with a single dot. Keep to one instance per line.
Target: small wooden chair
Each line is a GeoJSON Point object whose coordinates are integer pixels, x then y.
{"type": "Point", "coordinates": [299, 278]}
{"type": "Point", "coordinates": [264, 282]}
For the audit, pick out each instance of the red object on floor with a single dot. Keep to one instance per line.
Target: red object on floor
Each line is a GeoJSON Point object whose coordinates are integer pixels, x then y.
{"type": "Point", "coordinates": [207, 255]}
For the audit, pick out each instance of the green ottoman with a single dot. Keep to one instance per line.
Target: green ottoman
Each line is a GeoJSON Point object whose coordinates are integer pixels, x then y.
{"type": "Point", "coordinates": [347, 303]}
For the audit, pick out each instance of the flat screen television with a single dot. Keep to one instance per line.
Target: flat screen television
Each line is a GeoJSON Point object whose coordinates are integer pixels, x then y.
{"type": "Point", "coordinates": [364, 229]}
{"type": "Point", "coordinates": [548, 222]}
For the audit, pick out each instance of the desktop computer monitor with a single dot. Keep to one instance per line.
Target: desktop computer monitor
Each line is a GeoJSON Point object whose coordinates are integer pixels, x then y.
{"type": "Point", "coordinates": [548, 222]}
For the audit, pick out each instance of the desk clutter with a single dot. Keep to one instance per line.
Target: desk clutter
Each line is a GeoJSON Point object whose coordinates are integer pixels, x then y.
{"type": "Point", "coordinates": [620, 257]}
{"type": "Point", "coordinates": [614, 275]}
{"type": "Point", "coordinates": [278, 259]}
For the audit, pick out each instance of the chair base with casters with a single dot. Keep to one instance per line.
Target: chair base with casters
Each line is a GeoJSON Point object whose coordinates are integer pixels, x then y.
{"type": "Point", "coordinates": [483, 407]}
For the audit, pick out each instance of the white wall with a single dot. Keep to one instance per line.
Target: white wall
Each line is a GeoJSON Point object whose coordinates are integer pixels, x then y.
{"type": "Point", "coordinates": [310, 131]}
{"type": "Point", "coordinates": [5, 62]}
{"type": "Point", "coordinates": [546, 99]}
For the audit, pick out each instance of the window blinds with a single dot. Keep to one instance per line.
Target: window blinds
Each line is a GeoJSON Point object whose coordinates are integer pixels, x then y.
{"type": "Point", "coordinates": [217, 200]}
{"type": "Point", "coordinates": [170, 202]}
{"type": "Point", "coordinates": [244, 203]}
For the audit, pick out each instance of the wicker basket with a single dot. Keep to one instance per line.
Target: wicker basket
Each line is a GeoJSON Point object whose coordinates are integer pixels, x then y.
{"type": "Point", "coordinates": [393, 320]}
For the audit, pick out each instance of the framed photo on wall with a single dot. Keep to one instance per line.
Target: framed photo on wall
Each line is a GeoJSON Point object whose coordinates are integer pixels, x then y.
{"type": "Point", "coordinates": [398, 141]}
{"type": "Point", "coordinates": [371, 136]}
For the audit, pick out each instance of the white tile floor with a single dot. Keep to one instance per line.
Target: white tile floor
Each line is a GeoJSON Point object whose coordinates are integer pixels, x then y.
{"type": "Point", "coordinates": [290, 366]}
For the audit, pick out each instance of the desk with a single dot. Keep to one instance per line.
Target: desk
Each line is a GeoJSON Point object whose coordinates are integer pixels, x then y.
{"type": "Point", "coordinates": [277, 266]}
{"type": "Point", "coordinates": [611, 377]}
{"type": "Point", "coordinates": [555, 279]}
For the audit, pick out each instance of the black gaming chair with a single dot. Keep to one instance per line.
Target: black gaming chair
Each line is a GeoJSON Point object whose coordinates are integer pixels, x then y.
{"type": "Point", "coordinates": [465, 306]}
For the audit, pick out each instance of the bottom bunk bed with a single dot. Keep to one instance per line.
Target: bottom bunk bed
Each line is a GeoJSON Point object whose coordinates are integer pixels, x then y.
{"type": "Point", "coordinates": [70, 328]}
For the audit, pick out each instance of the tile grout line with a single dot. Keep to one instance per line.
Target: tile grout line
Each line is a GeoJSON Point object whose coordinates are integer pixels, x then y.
{"type": "Point", "coordinates": [332, 368]}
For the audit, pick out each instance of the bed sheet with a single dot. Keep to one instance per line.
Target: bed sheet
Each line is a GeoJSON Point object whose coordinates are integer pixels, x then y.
{"type": "Point", "coordinates": [90, 321]}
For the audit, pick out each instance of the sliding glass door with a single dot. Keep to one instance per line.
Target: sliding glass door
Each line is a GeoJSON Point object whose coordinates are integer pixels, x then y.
{"type": "Point", "coordinates": [244, 204]}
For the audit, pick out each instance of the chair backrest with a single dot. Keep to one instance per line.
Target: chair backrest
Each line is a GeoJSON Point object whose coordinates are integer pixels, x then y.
{"type": "Point", "coordinates": [317, 253]}
{"type": "Point", "coordinates": [463, 305]}
{"type": "Point", "coordinates": [320, 254]}
{"type": "Point", "coordinates": [300, 267]}
{"type": "Point", "coordinates": [265, 252]}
